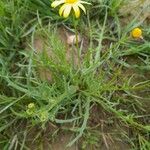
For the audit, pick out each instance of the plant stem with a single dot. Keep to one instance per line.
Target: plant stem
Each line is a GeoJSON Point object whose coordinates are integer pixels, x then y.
{"type": "Point", "coordinates": [77, 40]}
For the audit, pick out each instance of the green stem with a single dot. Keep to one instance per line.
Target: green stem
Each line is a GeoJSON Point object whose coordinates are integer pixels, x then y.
{"type": "Point", "coordinates": [76, 36]}
{"type": "Point", "coordinates": [76, 39]}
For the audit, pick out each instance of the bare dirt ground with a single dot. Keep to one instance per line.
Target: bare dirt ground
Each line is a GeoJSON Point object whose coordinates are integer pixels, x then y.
{"type": "Point", "coordinates": [56, 138]}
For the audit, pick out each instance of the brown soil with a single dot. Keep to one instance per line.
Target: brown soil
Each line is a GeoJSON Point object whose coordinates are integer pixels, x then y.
{"type": "Point", "coordinates": [139, 9]}
{"type": "Point", "coordinates": [55, 138]}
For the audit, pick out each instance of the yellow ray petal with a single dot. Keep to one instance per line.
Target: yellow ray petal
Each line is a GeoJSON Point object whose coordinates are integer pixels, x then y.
{"type": "Point", "coordinates": [67, 11]}
{"type": "Point", "coordinates": [62, 8]}
{"type": "Point", "coordinates": [56, 3]}
{"type": "Point", "coordinates": [76, 10]}
{"type": "Point", "coordinates": [82, 7]}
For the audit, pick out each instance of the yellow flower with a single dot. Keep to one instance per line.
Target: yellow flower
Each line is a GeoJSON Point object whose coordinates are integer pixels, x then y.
{"type": "Point", "coordinates": [136, 33]}
{"type": "Point", "coordinates": [68, 5]}
{"type": "Point", "coordinates": [30, 109]}
{"type": "Point", "coordinates": [43, 116]}
{"type": "Point", "coordinates": [31, 105]}
{"type": "Point", "coordinates": [29, 112]}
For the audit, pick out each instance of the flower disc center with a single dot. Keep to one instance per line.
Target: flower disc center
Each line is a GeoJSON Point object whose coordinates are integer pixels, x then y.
{"type": "Point", "coordinates": [71, 1]}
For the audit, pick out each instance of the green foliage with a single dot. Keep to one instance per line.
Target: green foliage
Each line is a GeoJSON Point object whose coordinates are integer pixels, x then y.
{"type": "Point", "coordinates": [113, 75]}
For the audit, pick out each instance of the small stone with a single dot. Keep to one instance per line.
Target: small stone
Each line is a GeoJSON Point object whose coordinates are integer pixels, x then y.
{"type": "Point", "coordinates": [71, 39]}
